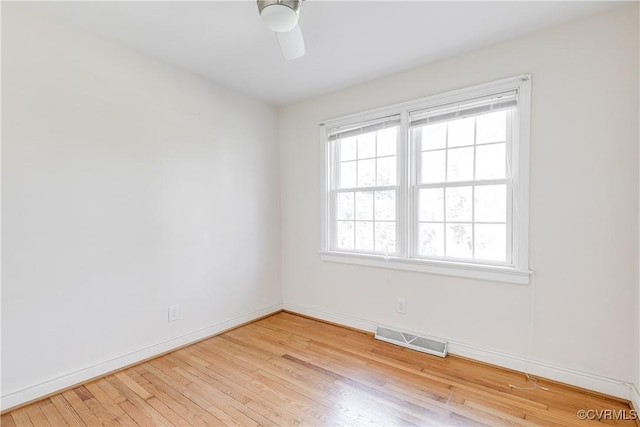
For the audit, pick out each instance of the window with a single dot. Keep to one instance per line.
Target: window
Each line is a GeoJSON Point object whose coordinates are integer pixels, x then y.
{"type": "Point", "coordinates": [437, 185]}
{"type": "Point", "coordinates": [365, 190]}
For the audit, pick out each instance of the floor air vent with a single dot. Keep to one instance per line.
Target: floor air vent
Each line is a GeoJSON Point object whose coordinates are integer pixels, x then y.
{"type": "Point", "coordinates": [430, 345]}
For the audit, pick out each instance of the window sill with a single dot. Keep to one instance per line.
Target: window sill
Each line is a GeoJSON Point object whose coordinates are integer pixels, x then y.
{"type": "Point", "coordinates": [472, 271]}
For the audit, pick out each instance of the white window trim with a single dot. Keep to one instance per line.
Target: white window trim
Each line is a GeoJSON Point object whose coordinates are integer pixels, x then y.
{"type": "Point", "coordinates": [519, 273]}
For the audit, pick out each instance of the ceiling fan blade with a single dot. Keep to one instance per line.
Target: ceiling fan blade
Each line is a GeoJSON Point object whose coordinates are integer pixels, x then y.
{"type": "Point", "coordinates": [292, 43]}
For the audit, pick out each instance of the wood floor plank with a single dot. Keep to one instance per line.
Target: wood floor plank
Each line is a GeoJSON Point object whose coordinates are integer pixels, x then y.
{"type": "Point", "coordinates": [105, 400]}
{"type": "Point", "coordinates": [7, 421]}
{"type": "Point", "coordinates": [52, 414]}
{"type": "Point", "coordinates": [291, 370]}
{"type": "Point", "coordinates": [37, 417]}
{"type": "Point", "coordinates": [168, 413]}
{"type": "Point", "coordinates": [134, 386]}
{"type": "Point", "coordinates": [21, 417]}
{"type": "Point", "coordinates": [113, 393]}
{"type": "Point", "coordinates": [126, 421]}
{"type": "Point", "coordinates": [68, 413]}
{"type": "Point", "coordinates": [80, 408]}
{"type": "Point", "coordinates": [102, 413]}
{"type": "Point", "coordinates": [140, 417]}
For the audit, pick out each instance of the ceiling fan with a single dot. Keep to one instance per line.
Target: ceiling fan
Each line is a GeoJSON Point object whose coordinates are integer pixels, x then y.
{"type": "Point", "coordinates": [281, 16]}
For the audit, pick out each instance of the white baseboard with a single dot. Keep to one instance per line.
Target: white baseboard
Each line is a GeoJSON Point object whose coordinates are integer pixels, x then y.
{"type": "Point", "coordinates": [635, 398]}
{"type": "Point", "coordinates": [536, 368]}
{"type": "Point", "coordinates": [573, 377]}
{"type": "Point", "coordinates": [45, 388]}
{"type": "Point", "coordinates": [339, 318]}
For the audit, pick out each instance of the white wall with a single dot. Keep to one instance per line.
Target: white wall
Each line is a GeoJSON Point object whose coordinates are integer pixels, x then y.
{"type": "Point", "coordinates": [636, 400]}
{"type": "Point", "coordinates": [583, 206]}
{"type": "Point", "coordinates": [127, 186]}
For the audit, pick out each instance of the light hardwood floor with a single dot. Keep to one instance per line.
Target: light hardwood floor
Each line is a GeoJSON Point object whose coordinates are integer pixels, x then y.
{"type": "Point", "coordinates": [290, 370]}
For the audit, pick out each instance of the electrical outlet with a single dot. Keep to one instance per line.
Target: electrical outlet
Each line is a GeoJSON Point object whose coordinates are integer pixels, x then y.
{"type": "Point", "coordinates": [174, 313]}
{"type": "Point", "coordinates": [401, 306]}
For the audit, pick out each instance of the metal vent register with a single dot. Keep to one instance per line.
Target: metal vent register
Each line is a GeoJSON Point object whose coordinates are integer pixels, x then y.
{"type": "Point", "coordinates": [431, 345]}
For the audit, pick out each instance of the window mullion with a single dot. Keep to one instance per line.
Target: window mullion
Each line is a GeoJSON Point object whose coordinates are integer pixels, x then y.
{"type": "Point", "coordinates": [473, 191]}
{"type": "Point", "coordinates": [403, 202]}
{"type": "Point", "coordinates": [413, 178]}
{"type": "Point", "coordinates": [373, 193]}
{"type": "Point", "coordinates": [444, 192]}
{"type": "Point", "coordinates": [334, 180]}
{"type": "Point", "coordinates": [381, 188]}
{"type": "Point", "coordinates": [464, 183]}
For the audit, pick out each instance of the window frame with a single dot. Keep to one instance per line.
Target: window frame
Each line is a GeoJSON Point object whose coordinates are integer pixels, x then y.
{"type": "Point", "coordinates": [333, 192]}
{"type": "Point", "coordinates": [518, 270]}
{"type": "Point", "coordinates": [416, 185]}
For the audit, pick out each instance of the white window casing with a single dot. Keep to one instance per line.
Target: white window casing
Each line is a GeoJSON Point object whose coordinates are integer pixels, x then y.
{"type": "Point", "coordinates": [372, 216]}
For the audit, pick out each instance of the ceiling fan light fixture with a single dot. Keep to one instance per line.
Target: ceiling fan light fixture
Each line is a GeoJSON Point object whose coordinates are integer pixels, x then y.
{"type": "Point", "coordinates": [279, 15]}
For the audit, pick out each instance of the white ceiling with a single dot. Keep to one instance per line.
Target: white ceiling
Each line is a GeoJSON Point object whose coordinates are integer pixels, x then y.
{"type": "Point", "coordinates": [348, 42]}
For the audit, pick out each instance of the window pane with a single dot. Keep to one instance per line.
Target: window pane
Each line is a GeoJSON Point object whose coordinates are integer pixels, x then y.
{"type": "Point", "coordinates": [347, 174]}
{"type": "Point", "coordinates": [461, 132]}
{"type": "Point", "coordinates": [387, 141]}
{"type": "Point", "coordinates": [431, 239]}
{"type": "Point", "coordinates": [490, 161]}
{"type": "Point", "coordinates": [458, 204]}
{"type": "Point", "coordinates": [432, 167]}
{"type": "Point", "coordinates": [491, 127]}
{"type": "Point", "coordinates": [366, 173]}
{"type": "Point", "coordinates": [431, 204]}
{"type": "Point", "coordinates": [491, 203]}
{"type": "Point", "coordinates": [491, 242]}
{"type": "Point", "coordinates": [434, 136]}
{"type": "Point", "coordinates": [367, 145]}
{"type": "Point", "coordinates": [385, 205]}
{"type": "Point", "coordinates": [364, 205]}
{"type": "Point", "coordinates": [386, 171]}
{"type": "Point", "coordinates": [459, 240]}
{"type": "Point", "coordinates": [385, 241]}
{"type": "Point", "coordinates": [348, 148]}
{"type": "Point", "coordinates": [345, 236]}
{"type": "Point", "coordinates": [345, 208]}
{"type": "Point", "coordinates": [364, 235]}
{"type": "Point", "coordinates": [460, 164]}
